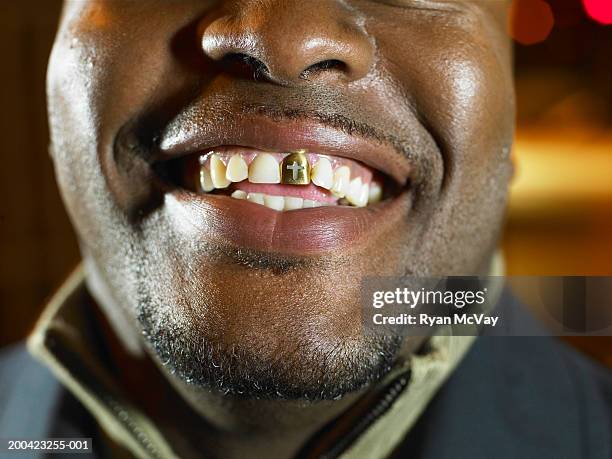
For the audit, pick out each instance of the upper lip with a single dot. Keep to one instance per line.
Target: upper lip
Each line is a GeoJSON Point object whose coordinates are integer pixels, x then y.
{"type": "Point", "coordinates": [191, 133]}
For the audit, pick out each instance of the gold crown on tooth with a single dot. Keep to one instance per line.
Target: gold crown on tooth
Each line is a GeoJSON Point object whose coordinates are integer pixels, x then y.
{"type": "Point", "coordinates": [294, 169]}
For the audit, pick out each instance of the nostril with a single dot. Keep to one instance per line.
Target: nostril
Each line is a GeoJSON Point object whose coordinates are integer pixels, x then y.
{"type": "Point", "coordinates": [245, 64]}
{"type": "Point", "coordinates": [323, 66]}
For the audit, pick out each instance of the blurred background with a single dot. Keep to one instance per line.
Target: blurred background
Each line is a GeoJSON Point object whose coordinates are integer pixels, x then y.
{"type": "Point", "coordinates": [560, 215]}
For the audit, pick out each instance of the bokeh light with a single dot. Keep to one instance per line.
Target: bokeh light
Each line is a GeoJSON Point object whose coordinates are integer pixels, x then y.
{"type": "Point", "coordinates": [530, 21]}
{"type": "Point", "coordinates": [599, 10]}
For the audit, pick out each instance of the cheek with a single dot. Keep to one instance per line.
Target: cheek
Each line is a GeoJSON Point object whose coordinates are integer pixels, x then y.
{"type": "Point", "coordinates": [472, 120]}
{"type": "Point", "coordinates": [458, 81]}
{"type": "Point", "coordinates": [462, 93]}
{"type": "Point", "coordinates": [93, 90]}
{"type": "Point", "coordinates": [73, 126]}
{"type": "Point", "coordinates": [455, 72]}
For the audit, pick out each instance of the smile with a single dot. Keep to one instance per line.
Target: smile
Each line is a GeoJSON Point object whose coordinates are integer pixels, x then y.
{"type": "Point", "coordinates": [283, 186]}
{"type": "Point", "coordinates": [282, 181]}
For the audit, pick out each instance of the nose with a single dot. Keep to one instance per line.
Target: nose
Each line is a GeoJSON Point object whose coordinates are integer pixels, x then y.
{"type": "Point", "coordinates": [291, 41]}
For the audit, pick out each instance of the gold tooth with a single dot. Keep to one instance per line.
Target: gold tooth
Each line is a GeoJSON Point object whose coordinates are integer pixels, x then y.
{"type": "Point", "coordinates": [295, 169]}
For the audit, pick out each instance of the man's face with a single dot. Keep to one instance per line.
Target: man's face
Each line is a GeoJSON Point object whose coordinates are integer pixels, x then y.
{"type": "Point", "coordinates": [232, 295]}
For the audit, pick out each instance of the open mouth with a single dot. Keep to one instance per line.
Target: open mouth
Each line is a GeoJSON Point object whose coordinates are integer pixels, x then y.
{"type": "Point", "coordinates": [289, 186]}
{"type": "Point", "coordinates": [281, 181]}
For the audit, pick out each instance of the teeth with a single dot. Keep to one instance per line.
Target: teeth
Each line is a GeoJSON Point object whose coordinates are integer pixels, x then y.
{"type": "Point", "coordinates": [237, 169]}
{"type": "Point", "coordinates": [205, 181]}
{"type": "Point", "coordinates": [292, 203]}
{"type": "Point", "coordinates": [264, 169]}
{"type": "Point", "coordinates": [353, 195]}
{"type": "Point", "coordinates": [277, 202]}
{"type": "Point", "coordinates": [341, 181]}
{"type": "Point", "coordinates": [239, 194]}
{"type": "Point", "coordinates": [358, 193]}
{"type": "Point", "coordinates": [363, 196]}
{"type": "Point", "coordinates": [217, 172]}
{"type": "Point", "coordinates": [322, 174]}
{"type": "Point", "coordinates": [257, 198]}
{"type": "Point", "coordinates": [309, 204]}
{"type": "Point", "coordinates": [375, 193]}
{"type": "Point", "coordinates": [274, 202]}
{"type": "Point", "coordinates": [295, 169]}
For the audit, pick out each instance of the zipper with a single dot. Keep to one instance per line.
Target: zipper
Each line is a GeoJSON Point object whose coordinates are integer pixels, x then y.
{"type": "Point", "coordinates": [140, 436]}
{"type": "Point", "coordinates": [391, 393]}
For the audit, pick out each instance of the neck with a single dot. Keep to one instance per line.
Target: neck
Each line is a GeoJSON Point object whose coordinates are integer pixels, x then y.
{"type": "Point", "coordinates": [231, 427]}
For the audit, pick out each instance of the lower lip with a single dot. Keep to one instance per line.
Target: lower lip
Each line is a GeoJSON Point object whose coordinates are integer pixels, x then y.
{"type": "Point", "coordinates": [244, 224]}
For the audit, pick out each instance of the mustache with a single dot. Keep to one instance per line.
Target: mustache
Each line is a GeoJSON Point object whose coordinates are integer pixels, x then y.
{"type": "Point", "coordinates": [337, 121]}
{"type": "Point", "coordinates": [204, 108]}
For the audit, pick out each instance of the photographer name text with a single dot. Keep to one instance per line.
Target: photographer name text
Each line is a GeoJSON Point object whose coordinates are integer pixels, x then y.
{"type": "Point", "coordinates": [434, 321]}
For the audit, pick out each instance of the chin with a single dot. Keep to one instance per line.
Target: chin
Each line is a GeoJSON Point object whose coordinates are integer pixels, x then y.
{"type": "Point", "coordinates": [292, 365]}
